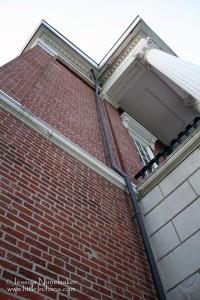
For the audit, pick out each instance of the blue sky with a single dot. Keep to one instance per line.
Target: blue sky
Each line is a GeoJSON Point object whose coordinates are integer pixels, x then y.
{"type": "Point", "coordinates": [94, 25]}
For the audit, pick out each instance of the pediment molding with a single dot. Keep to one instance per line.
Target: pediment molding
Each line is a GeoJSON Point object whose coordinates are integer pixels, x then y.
{"type": "Point", "coordinates": [55, 43]}
{"type": "Point", "coordinates": [67, 53]}
{"type": "Point", "coordinates": [120, 59]}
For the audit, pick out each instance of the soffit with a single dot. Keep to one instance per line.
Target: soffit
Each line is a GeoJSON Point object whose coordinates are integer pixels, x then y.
{"type": "Point", "coordinates": [56, 44]}
{"type": "Point", "coordinates": [150, 101]}
{"type": "Point", "coordinates": [140, 31]}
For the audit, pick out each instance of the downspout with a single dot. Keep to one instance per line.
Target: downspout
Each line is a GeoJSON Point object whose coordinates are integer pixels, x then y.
{"type": "Point", "coordinates": [132, 194]}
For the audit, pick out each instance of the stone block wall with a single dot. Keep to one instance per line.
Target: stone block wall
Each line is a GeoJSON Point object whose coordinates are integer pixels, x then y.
{"type": "Point", "coordinates": [172, 217]}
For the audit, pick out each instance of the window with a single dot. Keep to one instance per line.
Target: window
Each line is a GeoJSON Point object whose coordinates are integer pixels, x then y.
{"type": "Point", "coordinates": [143, 139]}
{"type": "Point", "coordinates": [144, 151]}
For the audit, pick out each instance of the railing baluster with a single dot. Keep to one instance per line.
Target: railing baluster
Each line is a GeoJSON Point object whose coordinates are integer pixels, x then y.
{"type": "Point", "coordinates": [168, 149]}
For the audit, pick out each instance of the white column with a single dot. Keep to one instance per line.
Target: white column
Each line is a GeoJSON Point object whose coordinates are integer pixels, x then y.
{"type": "Point", "coordinates": [183, 73]}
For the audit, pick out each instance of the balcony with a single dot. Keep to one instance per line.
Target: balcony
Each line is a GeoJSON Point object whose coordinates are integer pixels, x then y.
{"type": "Point", "coordinates": [153, 100]}
{"type": "Point", "coordinates": [168, 151]}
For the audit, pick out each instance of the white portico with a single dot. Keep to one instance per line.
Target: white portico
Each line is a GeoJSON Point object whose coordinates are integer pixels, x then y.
{"type": "Point", "coordinates": [156, 88]}
{"type": "Point", "coordinates": [185, 74]}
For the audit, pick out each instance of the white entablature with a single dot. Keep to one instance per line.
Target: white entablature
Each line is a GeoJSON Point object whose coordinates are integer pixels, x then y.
{"type": "Point", "coordinates": [55, 43]}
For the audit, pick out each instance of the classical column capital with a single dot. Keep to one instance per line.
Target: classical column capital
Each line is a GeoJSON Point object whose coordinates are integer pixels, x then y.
{"type": "Point", "coordinates": [148, 45]}
{"type": "Point", "coordinates": [184, 74]}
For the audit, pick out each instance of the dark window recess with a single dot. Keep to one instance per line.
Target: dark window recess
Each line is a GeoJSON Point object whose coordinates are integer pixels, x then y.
{"type": "Point", "coordinates": [142, 151]}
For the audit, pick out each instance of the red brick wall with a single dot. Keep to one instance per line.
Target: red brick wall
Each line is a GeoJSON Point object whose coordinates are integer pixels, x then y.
{"type": "Point", "coordinates": [57, 96]}
{"type": "Point", "coordinates": [18, 77]}
{"type": "Point", "coordinates": [61, 220]}
{"type": "Point", "coordinates": [64, 101]}
{"type": "Point", "coordinates": [127, 151]}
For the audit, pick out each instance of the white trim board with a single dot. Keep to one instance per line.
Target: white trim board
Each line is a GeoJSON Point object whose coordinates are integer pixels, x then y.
{"type": "Point", "coordinates": [24, 115]}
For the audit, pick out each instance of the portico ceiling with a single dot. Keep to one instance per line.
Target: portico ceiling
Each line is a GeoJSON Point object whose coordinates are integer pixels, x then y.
{"type": "Point", "coordinates": [154, 102]}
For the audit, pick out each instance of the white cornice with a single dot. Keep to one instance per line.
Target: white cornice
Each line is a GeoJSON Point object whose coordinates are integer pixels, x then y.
{"type": "Point", "coordinates": [45, 47]}
{"type": "Point", "coordinates": [122, 57]}
{"type": "Point", "coordinates": [43, 24]}
{"type": "Point", "coordinates": [122, 40]}
{"type": "Point", "coordinates": [60, 140]}
{"type": "Point", "coordinates": [53, 41]}
{"type": "Point", "coordinates": [55, 44]}
{"type": "Point", "coordinates": [66, 52]}
{"type": "Point", "coordinates": [122, 66]}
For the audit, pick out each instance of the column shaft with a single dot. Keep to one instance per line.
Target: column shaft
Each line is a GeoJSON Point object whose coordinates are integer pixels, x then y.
{"type": "Point", "coordinates": [183, 73]}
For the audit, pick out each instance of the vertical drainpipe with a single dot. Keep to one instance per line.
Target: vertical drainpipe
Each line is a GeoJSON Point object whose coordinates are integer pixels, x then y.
{"type": "Point", "coordinates": [132, 194]}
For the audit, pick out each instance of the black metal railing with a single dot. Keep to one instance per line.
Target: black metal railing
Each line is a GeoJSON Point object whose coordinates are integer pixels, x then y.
{"type": "Point", "coordinates": [167, 150]}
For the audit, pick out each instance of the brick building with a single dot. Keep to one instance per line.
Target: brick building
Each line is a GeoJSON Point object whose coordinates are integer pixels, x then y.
{"type": "Point", "coordinates": [85, 211]}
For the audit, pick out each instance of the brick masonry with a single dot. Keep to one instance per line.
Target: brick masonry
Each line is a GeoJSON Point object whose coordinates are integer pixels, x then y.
{"type": "Point", "coordinates": [60, 98]}
{"type": "Point", "coordinates": [57, 96]}
{"type": "Point", "coordinates": [59, 220]}
{"type": "Point", "coordinates": [127, 153]}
